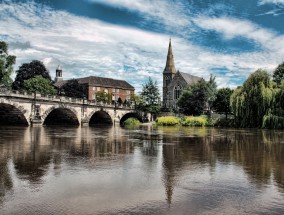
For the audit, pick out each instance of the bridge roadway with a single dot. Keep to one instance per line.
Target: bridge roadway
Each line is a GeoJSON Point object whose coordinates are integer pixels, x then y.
{"type": "Point", "coordinates": [18, 108]}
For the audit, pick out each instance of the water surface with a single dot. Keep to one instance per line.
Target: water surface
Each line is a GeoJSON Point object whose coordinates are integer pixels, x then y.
{"type": "Point", "coordinates": [112, 170]}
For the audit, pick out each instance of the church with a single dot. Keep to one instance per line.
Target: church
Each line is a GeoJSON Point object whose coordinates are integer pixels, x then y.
{"type": "Point", "coordinates": [174, 82]}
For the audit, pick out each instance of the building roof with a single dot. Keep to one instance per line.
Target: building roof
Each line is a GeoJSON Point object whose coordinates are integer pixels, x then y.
{"type": "Point", "coordinates": [170, 64]}
{"type": "Point", "coordinates": [100, 82]}
{"type": "Point", "coordinates": [189, 78]}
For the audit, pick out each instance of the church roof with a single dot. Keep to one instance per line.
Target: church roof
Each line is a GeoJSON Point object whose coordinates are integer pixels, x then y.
{"type": "Point", "coordinates": [189, 78]}
{"type": "Point", "coordinates": [170, 64]}
{"type": "Point", "coordinates": [100, 82]}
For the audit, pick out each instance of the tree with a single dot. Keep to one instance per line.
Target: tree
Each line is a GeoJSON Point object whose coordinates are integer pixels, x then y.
{"type": "Point", "coordinates": [278, 74]}
{"type": "Point", "coordinates": [119, 100]}
{"type": "Point", "coordinates": [251, 102]}
{"type": "Point", "coordinates": [40, 85]}
{"type": "Point", "coordinates": [6, 65]}
{"type": "Point", "coordinates": [103, 97]}
{"type": "Point", "coordinates": [193, 100]}
{"type": "Point", "coordinates": [151, 97]}
{"type": "Point", "coordinates": [211, 92]}
{"type": "Point", "coordinates": [28, 71]}
{"type": "Point", "coordinates": [222, 101]}
{"type": "Point", "coordinates": [74, 89]}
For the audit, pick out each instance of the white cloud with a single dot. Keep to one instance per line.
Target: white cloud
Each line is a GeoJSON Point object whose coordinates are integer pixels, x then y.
{"type": "Point", "coordinates": [87, 47]}
{"type": "Point", "coordinates": [262, 2]}
{"type": "Point", "coordinates": [170, 13]}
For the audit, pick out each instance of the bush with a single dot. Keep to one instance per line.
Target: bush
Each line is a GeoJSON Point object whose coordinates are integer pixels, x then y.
{"type": "Point", "coordinates": [167, 121]}
{"type": "Point", "coordinates": [131, 122]}
{"type": "Point", "coordinates": [199, 121]}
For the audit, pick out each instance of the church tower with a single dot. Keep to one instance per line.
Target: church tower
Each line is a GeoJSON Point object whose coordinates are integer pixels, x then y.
{"type": "Point", "coordinates": [168, 74]}
{"type": "Point", "coordinates": [58, 75]}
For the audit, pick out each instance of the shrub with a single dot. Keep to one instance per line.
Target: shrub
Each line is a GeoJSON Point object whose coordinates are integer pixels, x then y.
{"type": "Point", "coordinates": [131, 122]}
{"type": "Point", "coordinates": [167, 121]}
{"type": "Point", "coordinates": [199, 121]}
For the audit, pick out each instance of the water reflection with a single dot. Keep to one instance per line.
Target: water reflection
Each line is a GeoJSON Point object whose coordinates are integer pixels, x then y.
{"type": "Point", "coordinates": [141, 169]}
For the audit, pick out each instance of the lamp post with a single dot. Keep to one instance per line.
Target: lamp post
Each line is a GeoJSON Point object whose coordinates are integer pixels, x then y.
{"type": "Point", "coordinates": [36, 120]}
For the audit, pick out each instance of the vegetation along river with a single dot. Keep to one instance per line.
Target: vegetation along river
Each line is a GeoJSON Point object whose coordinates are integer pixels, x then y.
{"type": "Point", "coordinates": [145, 170]}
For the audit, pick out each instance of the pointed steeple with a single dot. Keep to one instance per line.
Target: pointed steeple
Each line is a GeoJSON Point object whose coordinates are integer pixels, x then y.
{"type": "Point", "coordinates": [170, 65]}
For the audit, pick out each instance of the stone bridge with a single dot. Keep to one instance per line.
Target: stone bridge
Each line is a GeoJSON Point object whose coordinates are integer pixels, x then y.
{"type": "Point", "coordinates": [35, 109]}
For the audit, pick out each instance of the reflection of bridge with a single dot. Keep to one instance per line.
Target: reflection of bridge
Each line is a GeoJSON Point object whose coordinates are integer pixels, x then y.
{"type": "Point", "coordinates": [26, 109]}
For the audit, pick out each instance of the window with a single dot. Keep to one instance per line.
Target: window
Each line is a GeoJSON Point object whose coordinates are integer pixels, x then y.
{"type": "Point", "coordinates": [127, 92]}
{"type": "Point", "coordinates": [98, 88]}
{"type": "Point", "coordinates": [177, 92]}
{"type": "Point", "coordinates": [113, 90]}
{"type": "Point", "coordinates": [117, 90]}
{"type": "Point", "coordinates": [106, 90]}
{"type": "Point", "coordinates": [94, 88]}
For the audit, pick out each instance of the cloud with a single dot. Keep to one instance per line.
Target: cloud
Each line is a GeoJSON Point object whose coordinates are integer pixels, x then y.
{"type": "Point", "coordinates": [231, 28]}
{"type": "Point", "coordinates": [85, 46]}
{"type": "Point", "coordinates": [262, 2]}
{"type": "Point", "coordinates": [170, 13]}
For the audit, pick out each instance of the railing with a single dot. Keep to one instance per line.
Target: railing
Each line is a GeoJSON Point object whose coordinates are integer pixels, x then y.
{"type": "Point", "coordinates": [63, 99]}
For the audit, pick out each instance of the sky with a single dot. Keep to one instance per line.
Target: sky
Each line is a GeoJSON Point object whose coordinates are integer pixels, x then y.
{"type": "Point", "coordinates": [128, 39]}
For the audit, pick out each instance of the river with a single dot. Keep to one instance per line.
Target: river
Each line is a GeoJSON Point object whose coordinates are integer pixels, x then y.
{"type": "Point", "coordinates": [145, 170]}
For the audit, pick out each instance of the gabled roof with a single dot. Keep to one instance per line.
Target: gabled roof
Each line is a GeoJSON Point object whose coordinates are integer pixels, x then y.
{"type": "Point", "coordinates": [100, 82]}
{"type": "Point", "coordinates": [189, 78]}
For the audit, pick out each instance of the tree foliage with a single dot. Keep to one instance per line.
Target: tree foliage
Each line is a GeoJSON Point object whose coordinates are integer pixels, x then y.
{"type": "Point", "coordinates": [74, 89]}
{"type": "Point", "coordinates": [193, 99]}
{"type": "Point", "coordinates": [222, 101]}
{"type": "Point", "coordinates": [151, 97]}
{"type": "Point", "coordinates": [278, 74]}
{"type": "Point", "coordinates": [40, 85]}
{"type": "Point", "coordinates": [6, 65]}
{"type": "Point", "coordinates": [103, 97]}
{"type": "Point", "coordinates": [258, 103]}
{"type": "Point", "coordinates": [198, 97]}
{"type": "Point", "coordinates": [28, 71]}
{"type": "Point", "coordinates": [211, 92]}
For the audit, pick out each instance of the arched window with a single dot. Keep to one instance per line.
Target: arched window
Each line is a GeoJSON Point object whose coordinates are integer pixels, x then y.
{"type": "Point", "coordinates": [177, 92]}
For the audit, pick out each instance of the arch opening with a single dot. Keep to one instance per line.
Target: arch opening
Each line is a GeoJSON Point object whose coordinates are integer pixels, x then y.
{"type": "Point", "coordinates": [10, 115]}
{"type": "Point", "coordinates": [131, 115]}
{"type": "Point", "coordinates": [100, 118]}
{"type": "Point", "coordinates": [61, 116]}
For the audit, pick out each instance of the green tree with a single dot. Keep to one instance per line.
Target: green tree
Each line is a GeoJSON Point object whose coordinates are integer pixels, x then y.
{"type": "Point", "coordinates": [119, 100]}
{"type": "Point", "coordinates": [193, 99]}
{"type": "Point", "coordinates": [222, 101]}
{"type": "Point", "coordinates": [74, 89]}
{"type": "Point", "coordinates": [29, 70]}
{"type": "Point", "coordinates": [151, 97]}
{"type": "Point", "coordinates": [6, 65]}
{"type": "Point", "coordinates": [211, 92]}
{"type": "Point", "coordinates": [251, 102]}
{"type": "Point", "coordinates": [103, 97]}
{"type": "Point", "coordinates": [278, 74]}
{"type": "Point", "coordinates": [40, 85]}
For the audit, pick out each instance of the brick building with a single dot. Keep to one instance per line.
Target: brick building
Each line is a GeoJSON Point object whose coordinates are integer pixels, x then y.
{"type": "Point", "coordinates": [116, 88]}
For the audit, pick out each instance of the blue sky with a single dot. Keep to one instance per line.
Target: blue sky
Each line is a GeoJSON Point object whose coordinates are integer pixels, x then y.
{"type": "Point", "coordinates": [127, 39]}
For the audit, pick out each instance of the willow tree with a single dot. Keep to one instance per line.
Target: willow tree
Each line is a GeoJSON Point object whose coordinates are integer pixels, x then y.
{"type": "Point", "coordinates": [254, 100]}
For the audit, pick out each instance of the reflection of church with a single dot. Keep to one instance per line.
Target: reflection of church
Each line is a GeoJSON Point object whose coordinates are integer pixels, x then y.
{"type": "Point", "coordinates": [174, 81]}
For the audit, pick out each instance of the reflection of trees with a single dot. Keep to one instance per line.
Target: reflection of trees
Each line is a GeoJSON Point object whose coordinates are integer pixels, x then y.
{"type": "Point", "coordinates": [6, 183]}
{"type": "Point", "coordinates": [259, 153]}
{"type": "Point", "coordinates": [33, 164]}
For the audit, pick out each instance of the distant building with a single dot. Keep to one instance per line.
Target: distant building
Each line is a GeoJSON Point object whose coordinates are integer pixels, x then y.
{"type": "Point", "coordinates": [117, 88]}
{"type": "Point", "coordinates": [174, 82]}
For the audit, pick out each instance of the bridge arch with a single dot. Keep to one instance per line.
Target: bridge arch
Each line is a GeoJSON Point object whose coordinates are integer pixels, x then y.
{"type": "Point", "coordinates": [60, 115]}
{"type": "Point", "coordinates": [13, 114]}
{"type": "Point", "coordinates": [100, 117]}
{"type": "Point", "coordinates": [131, 115]}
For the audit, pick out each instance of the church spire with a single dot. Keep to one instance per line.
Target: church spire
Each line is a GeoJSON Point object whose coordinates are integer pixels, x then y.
{"type": "Point", "coordinates": [170, 65]}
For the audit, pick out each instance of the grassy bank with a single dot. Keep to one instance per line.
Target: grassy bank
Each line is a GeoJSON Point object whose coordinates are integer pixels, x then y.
{"type": "Point", "coordinates": [131, 122]}
{"type": "Point", "coordinates": [196, 121]}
